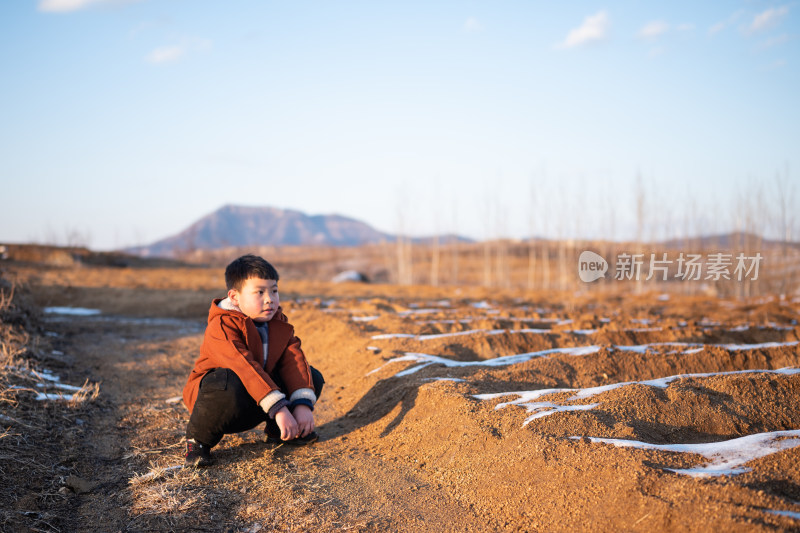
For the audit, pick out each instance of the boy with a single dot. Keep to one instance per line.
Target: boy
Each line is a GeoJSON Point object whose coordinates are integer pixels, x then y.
{"type": "Point", "coordinates": [251, 368]}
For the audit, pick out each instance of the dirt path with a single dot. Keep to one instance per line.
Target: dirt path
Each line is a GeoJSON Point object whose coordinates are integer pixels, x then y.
{"type": "Point", "coordinates": [138, 428]}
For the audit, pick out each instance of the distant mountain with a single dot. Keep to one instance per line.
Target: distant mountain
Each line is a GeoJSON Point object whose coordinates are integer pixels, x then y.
{"type": "Point", "coordinates": [729, 240]}
{"type": "Point", "coordinates": [240, 226]}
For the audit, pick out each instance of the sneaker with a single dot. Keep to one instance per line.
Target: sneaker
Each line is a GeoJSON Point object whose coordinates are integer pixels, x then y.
{"type": "Point", "coordinates": [297, 441]}
{"type": "Point", "coordinates": [197, 454]}
{"type": "Point", "coordinates": [303, 441]}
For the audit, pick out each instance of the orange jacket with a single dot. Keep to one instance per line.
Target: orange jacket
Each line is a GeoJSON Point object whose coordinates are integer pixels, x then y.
{"type": "Point", "coordinates": [232, 341]}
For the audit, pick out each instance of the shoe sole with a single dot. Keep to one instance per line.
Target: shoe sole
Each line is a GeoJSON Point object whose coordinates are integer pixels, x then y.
{"type": "Point", "coordinates": [198, 463]}
{"type": "Point", "coordinates": [301, 441]}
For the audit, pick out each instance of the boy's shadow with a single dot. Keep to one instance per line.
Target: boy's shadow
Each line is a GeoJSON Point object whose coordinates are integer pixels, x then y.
{"type": "Point", "coordinates": [378, 402]}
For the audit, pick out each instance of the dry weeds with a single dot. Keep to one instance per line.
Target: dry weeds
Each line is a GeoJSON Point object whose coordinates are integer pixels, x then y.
{"type": "Point", "coordinates": [30, 442]}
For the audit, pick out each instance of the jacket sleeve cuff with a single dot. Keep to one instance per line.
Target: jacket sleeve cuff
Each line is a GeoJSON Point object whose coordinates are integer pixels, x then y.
{"type": "Point", "coordinates": [302, 401]}
{"type": "Point", "coordinates": [280, 404]}
{"type": "Point", "coordinates": [268, 401]}
{"type": "Point", "coordinates": [303, 394]}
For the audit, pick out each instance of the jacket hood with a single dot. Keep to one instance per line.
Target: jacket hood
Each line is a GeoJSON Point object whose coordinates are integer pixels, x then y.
{"type": "Point", "coordinates": [225, 304]}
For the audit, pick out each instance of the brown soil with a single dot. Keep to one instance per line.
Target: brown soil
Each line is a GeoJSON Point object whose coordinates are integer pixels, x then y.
{"type": "Point", "coordinates": [413, 452]}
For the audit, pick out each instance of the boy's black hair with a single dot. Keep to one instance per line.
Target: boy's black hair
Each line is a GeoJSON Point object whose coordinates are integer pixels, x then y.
{"type": "Point", "coordinates": [246, 267]}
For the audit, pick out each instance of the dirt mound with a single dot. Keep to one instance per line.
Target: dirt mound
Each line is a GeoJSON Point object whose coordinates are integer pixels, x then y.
{"type": "Point", "coordinates": [443, 410]}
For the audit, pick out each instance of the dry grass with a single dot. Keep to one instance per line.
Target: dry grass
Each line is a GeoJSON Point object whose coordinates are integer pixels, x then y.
{"type": "Point", "coordinates": [31, 430]}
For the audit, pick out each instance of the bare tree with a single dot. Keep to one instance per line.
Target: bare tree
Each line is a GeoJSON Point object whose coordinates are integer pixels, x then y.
{"type": "Point", "coordinates": [785, 191]}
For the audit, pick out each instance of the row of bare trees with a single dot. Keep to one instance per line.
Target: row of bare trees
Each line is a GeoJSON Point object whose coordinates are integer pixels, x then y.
{"type": "Point", "coordinates": [760, 210]}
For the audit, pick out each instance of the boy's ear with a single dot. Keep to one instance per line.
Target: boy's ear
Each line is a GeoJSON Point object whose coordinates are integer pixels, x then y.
{"type": "Point", "coordinates": [233, 296]}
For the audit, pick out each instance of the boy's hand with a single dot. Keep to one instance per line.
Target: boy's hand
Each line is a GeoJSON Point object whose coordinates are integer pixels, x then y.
{"type": "Point", "coordinates": [305, 420]}
{"type": "Point", "coordinates": [287, 424]}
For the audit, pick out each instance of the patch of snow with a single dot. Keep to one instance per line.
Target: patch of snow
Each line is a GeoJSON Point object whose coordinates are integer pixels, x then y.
{"type": "Point", "coordinates": [454, 334]}
{"type": "Point", "coordinates": [789, 514]}
{"type": "Point", "coordinates": [773, 325]}
{"type": "Point", "coordinates": [662, 383]}
{"type": "Point", "coordinates": [44, 374]}
{"type": "Point", "coordinates": [394, 336]}
{"type": "Point", "coordinates": [51, 333]}
{"type": "Point", "coordinates": [457, 380]}
{"type": "Point", "coordinates": [582, 350]}
{"type": "Point", "coordinates": [349, 275]}
{"type": "Point", "coordinates": [477, 331]}
{"type": "Point", "coordinates": [74, 311]}
{"type": "Point", "coordinates": [739, 347]}
{"type": "Point", "coordinates": [743, 327]}
{"type": "Point", "coordinates": [364, 318]}
{"type": "Point", "coordinates": [53, 380]}
{"type": "Point", "coordinates": [373, 349]}
{"type": "Point", "coordinates": [529, 398]}
{"type": "Point", "coordinates": [640, 330]}
{"type": "Point", "coordinates": [459, 333]}
{"type": "Point", "coordinates": [726, 457]}
{"type": "Point", "coordinates": [427, 359]}
{"type": "Point", "coordinates": [155, 473]}
{"type": "Point", "coordinates": [642, 348]}
{"type": "Point", "coordinates": [639, 348]}
{"type": "Point", "coordinates": [545, 409]}
{"type": "Point", "coordinates": [43, 396]}
{"type": "Point", "coordinates": [62, 386]}
{"type": "Point", "coordinates": [524, 396]}
{"type": "Point", "coordinates": [460, 321]}
{"type": "Point", "coordinates": [174, 399]}
{"type": "Point", "coordinates": [482, 305]}
{"type": "Point", "coordinates": [693, 350]}
{"type": "Point", "coordinates": [663, 297]}
{"type": "Point", "coordinates": [417, 312]}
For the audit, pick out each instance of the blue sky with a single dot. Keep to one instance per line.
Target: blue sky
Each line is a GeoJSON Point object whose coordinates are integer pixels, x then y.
{"type": "Point", "coordinates": [125, 121]}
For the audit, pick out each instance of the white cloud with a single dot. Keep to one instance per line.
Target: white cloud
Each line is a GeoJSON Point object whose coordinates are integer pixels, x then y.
{"type": "Point", "coordinates": [778, 63]}
{"type": "Point", "coordinates": [768, 19]}
{"type": "Point", "coordinates": [66, 6]}
{"type": "Point", "coordinates": [166, 54]}
{"type": "Point", "coordinates": [686, 26]}
{"type": "Point", "coordinates": [171, 54]}
{"type": "Point", "coordinates": [774, 41]}
{"type": "Point", "coordinates": [654, 29]}
{"type": "Point", "coordinates": [716, 28]}
{"type": "Point", "coordinates": [721, 25]}
{"type": "Point", "coordinates": [594, 28]}
{"type": "Point", "coordinates": [472, 25]}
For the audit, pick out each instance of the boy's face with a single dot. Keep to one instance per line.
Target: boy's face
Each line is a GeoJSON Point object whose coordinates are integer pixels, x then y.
{"type": "Point", "coordinates": [258, 298]}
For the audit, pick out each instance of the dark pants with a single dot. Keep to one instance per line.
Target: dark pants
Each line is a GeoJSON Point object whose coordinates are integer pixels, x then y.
{"type": "Point", "coordinates": [223, 406]}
